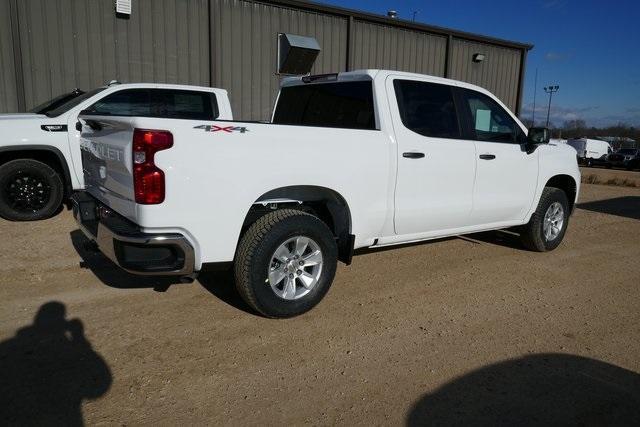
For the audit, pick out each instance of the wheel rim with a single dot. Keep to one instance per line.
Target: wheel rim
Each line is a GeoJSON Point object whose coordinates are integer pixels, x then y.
{"type": "Point", "coordinates": [295, 268]}
{"type": "Point", "coordinates": [27, 192]}
{"type": "Point", "coordinates": [553, 221]}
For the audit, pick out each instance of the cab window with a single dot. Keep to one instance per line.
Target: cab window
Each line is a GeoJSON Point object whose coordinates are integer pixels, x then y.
{"type": "Point", "coordinates": [489, 121]}
{"type": "Point", "coordinates": [427, 108]}
{"type": "Point", "coordinates": [346, 105]}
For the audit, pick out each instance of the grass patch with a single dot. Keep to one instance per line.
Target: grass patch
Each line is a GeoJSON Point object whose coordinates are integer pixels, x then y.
{"type": "Point", "coordinates": [616, 182]}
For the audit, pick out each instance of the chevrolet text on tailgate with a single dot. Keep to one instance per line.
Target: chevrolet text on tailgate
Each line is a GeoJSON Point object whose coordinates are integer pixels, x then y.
{"type": "Point", "coordinates": [351, 160]}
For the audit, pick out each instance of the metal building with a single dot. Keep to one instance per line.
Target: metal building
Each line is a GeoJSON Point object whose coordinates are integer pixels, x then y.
{"type": "Point", "coordinates": [48, 47]}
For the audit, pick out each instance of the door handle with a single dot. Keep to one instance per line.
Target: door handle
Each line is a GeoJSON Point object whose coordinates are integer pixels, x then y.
{"type": "Point", "coordinates": [412, 155]}
{"type": "Point", "coordinates": [487, 156]}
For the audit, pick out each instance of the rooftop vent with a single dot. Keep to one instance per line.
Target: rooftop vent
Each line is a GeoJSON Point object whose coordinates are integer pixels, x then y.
{"type": "Point", "coordinates": [296, 54]}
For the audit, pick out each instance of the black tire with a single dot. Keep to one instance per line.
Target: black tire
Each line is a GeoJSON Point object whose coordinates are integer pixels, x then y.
{"type": "Point", "coordinates": [253, 258]}
{"type": "Point", "coordinates": [589, 163]}
{"type": "Point", "coordinates": [29, 190]}
{"type": "Point", "coordinates": [532, 234]}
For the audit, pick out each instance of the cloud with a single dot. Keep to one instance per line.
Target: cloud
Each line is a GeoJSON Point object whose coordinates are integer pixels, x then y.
{"type": "Point", "coordinates": [559, 114]}
{"type": "Point", "coordinates": [554, 4]}
{"type": "Point", "coordinates": [633, 110]}
{"type": "Point", "coordinates": [614, 119]}
{"type": "Point", "coordinates": [556, 56]}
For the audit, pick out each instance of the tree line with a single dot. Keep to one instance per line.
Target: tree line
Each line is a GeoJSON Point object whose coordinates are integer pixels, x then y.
{"type": "Point", "coordinates": [579, 129]}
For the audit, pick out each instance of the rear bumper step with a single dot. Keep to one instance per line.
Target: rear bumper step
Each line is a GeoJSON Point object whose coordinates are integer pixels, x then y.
{"type": "Point", "coordinates": [122, 242]}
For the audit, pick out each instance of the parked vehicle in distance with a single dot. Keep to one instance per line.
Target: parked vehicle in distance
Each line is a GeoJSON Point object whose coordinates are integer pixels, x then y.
{"type": "Point", "coordinates": [40, 161]}
{"type": "Point", "coordinates": [634, 163]}
{"type": "Point", "coordinates": [624, 158]}
{"type": "Point", "coordinates": [351, 160]}
{"type": "Point", "coordinates": [591, 152]}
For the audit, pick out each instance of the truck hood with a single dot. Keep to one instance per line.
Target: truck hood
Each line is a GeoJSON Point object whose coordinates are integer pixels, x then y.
{"type": "Point", "coordinates": [22, 116]}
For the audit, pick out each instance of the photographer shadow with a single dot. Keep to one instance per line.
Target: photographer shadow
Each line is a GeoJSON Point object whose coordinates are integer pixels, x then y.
{"type": "Point", "coordinates": [48, 369]}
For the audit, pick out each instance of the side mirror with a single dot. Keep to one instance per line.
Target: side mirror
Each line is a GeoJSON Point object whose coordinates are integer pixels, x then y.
{"type": "Point", "coordinates": [538, 136]}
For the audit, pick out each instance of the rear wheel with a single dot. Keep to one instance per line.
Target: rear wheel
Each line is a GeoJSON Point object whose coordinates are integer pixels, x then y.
{"type": "Point", "coordinates": [548, 224]}
{"type": "Point", "coordinates": [285, 263]}
{"type": "Point", "coordinates": [29, 190]}
{"type": "Point", "coordinates": [589, 162]}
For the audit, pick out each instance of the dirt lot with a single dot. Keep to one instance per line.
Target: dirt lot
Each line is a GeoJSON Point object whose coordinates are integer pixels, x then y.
{"type": "Point", "coordinates": [471, 331]}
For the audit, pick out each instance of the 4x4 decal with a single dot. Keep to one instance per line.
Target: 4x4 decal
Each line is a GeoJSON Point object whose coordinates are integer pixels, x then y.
{"type": "Point", "coordinates": [227, 129]}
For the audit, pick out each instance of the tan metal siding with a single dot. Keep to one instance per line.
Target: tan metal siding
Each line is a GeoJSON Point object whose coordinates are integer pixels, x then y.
{"type": "Point", "coordinates": [244, 49]}
{"type": "Point", "coordinates": [8, 94]}
{"type": "Point", "coordinates": [383, 46]}
{"type": "Point", "coordinates": [79, 43]}
{"type": "Point", "coordinates": [498, 73]}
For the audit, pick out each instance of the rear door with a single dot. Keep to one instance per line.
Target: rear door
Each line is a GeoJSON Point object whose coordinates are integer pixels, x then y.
{"type": "Point", "coordinates": [506, 175]}
{"type": "Point", "coordinates": [436, 167]}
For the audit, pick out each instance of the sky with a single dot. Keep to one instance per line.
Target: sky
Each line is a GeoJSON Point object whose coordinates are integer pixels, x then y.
{"type": "Point", "coordinates": [591, 49]}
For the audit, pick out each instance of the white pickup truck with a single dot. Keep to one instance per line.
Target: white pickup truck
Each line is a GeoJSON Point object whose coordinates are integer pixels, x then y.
{"type": "Point", "coordinates": [350, 160]}
{"type": "Point", "coordinates": [40, 161]}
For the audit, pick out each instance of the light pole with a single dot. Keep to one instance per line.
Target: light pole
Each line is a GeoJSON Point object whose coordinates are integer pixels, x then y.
{"type": "Point", "coordinates": [550, 90]}
{"type": "Point", "coordinates": [535, 91]}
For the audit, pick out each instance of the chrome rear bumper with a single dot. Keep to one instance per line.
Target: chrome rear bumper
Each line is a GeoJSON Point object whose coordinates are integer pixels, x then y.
{"type": "Point", "coordinates": [122, 242]}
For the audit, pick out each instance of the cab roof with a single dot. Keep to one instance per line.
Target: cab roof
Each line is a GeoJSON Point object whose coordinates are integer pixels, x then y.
{"type": "Point", "coordinates": [372, 74]}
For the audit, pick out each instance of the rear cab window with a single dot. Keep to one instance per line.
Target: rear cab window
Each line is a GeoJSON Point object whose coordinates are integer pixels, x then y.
{"type": "Point", "coordinates": [427, 108]}
{"type": "Point", "coordinates": [335, 105]}
{"type": "Point", "coordinates": [158, 103]}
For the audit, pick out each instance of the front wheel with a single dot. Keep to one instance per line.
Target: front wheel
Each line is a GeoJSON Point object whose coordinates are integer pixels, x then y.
{"type": "Point", "coordinates": [548, 224]}
{"type": "Point", "coordinates": [29, 190]}
{"type": "Point", "coordinates": [285, 263]}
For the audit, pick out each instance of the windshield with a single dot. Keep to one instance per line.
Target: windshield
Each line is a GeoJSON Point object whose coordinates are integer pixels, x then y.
{"type": "Point", "coordinates": [55, 102]}
{"type": "Point", "coordinates": [70, 103]}
{"type": "Point", "coordinates": [627, 151]}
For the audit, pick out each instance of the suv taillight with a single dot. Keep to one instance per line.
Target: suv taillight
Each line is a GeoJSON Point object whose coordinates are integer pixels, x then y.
{"type": "Point", "coordinates": [148, 179]}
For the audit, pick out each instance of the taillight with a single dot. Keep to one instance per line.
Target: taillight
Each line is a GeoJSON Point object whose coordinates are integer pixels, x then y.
{"type": "Point", "coordinates": [148, 179]}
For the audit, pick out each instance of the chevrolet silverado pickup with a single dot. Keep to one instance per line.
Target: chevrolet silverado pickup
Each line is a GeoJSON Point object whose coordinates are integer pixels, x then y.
{"type": "Point", "coordinates": [351, 160]}
{"type": "Point", "coordinates": [40, 161]}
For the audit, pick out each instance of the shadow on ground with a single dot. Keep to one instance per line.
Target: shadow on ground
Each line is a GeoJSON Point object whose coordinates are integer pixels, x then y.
{"type": "Point", "coordinates": [628, 206]}
{"type": "Point", "coordinates": [47, 369]}
{"type": "Point", "coordinates": [504, 238]}
{"type": "Point", "coordinates": [218, 283]}
{"type": "Point", "coordinates": [221, 284]}
{"type": "Point", "coordinates": [544, 389]}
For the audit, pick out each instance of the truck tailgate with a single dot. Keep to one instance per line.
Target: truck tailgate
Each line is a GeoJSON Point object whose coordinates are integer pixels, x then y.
{"type": "Point", "coordinates": [106, 145]}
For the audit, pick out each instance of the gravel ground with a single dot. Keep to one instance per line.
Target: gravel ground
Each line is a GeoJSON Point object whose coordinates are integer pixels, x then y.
{"type": "Point", "coordinates": [471, 330]}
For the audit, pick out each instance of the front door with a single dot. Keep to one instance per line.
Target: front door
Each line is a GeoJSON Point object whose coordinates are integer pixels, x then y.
{"type": "Point", "coordinates": [436, 168]}
{"type": "Point", "coordinates": [506, 175]}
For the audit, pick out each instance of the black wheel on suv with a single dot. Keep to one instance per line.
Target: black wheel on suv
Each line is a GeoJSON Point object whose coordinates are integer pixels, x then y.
{"type": "Point", "coordinates": [285, 263]}
{"type": "Point", "coordinates": [29, 190]}
{"type": "Point", "coordinates": [547, 226]}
